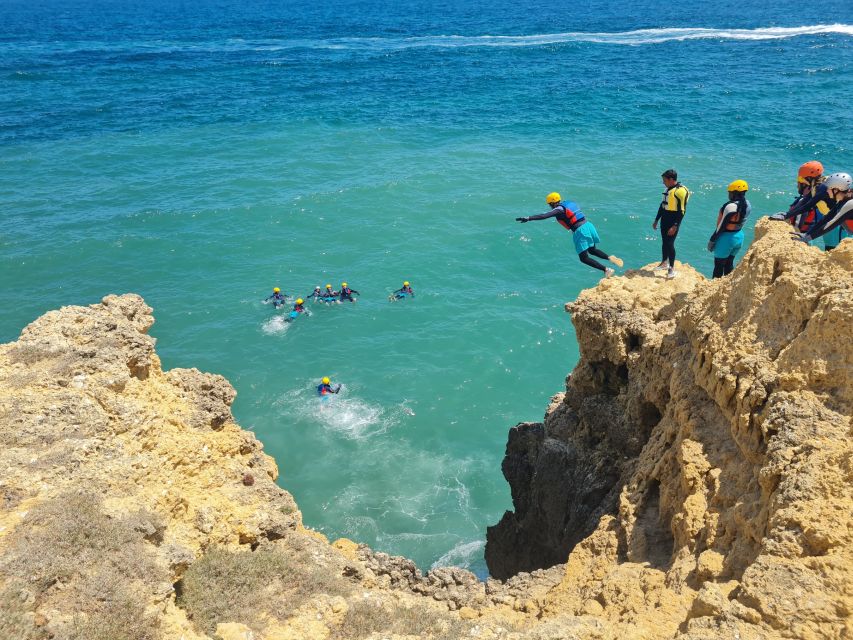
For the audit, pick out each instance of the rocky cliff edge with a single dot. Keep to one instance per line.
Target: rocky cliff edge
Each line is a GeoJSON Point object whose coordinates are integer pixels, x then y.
{"type": "Point", "coordinates": [697, 470]}
{"type": "Point", "coordinates": [693, 481]}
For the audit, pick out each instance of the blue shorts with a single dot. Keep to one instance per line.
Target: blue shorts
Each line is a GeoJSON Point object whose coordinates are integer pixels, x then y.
{"type": "Point", "coordinates": [585, 237]}
{"type": "Point", "coordinates": [728, 244]}
{"type": "Point", "coordinates": [831, 239]}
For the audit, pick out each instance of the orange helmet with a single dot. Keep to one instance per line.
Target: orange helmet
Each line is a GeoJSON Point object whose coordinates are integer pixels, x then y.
{"type": "Point", "coordinates": [813, 169]}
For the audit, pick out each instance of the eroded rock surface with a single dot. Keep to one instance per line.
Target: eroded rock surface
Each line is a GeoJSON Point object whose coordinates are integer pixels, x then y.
{"type": "Point", "coordinates": [693, 481]}
{"type": "Point", "coordinates": [698, 466]}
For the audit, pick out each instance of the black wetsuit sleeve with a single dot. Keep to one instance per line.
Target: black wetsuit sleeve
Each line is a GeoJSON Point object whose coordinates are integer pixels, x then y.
{"type": "Point", "coordinates": [831, 220]}
{"type": "Point", "coordinates": [660, 213]}
{"type": "Point", "coordinates": [355, 292]}
{"type": "Point", "coordinates": [545, 216]}
{"type": "Point", "coordinates": [801, 205]}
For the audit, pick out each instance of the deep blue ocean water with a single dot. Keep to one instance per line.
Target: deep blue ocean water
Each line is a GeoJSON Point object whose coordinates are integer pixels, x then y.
{"type": "Point", "coordinates": [202, 153]}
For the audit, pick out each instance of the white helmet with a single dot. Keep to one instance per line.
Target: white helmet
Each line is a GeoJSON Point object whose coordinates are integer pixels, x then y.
{"type": "Point", "coordinates": [839, 181]}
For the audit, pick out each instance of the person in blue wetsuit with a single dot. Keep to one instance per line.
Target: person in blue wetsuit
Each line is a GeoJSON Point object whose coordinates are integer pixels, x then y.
{"type": "Point", "coordinates": [839, 219]}
{"type": "Point", "coordinates": [316, 294]}
{"type": "Point", "coordinates": [346, 293]}
{"type": "Point", "coordinates": [325, 387]}
{"type": "Point", "coordinates": [403, 292]}
{"type": "Point", "coordinates": [727, 239]}
{"type": "Point", "coordinates": [329, 295]}
{"type": "Point", "coordinates": [585, 237]}
{"type": "Point", "coordinates": [277, 298]}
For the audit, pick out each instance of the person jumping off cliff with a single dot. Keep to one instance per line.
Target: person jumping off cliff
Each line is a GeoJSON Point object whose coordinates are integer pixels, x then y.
{"type": "Point", "coordinates": [584, 234]}
{"type": "Point", "coordinates": [670, 214]}
{"type": "Point", "coordinates": [727, 238]}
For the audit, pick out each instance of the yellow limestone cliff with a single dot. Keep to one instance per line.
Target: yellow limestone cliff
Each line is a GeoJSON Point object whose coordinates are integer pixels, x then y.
{"type": "Point", "coordinates": [694, 480]}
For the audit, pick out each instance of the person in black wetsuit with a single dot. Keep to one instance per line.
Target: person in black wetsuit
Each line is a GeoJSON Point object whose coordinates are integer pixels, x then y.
{"type": "Point", "coordinates": [839, 186]}
{"type": "Point", "coordinates": [346, 293]}
{"type": "Point", "coordinates": [316, 294]}
{"type": "Point", "coordinates": [584, 234]}
{"type": "Point", "coordinates": [670, 215]}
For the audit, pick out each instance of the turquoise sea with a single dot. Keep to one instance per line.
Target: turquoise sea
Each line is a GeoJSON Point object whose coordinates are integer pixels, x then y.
{"type": "Point", "coordinates": [201, 153]}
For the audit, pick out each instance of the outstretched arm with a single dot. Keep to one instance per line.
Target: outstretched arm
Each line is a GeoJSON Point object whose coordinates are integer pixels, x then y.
{"type": "Point", "coordinates": [542, 216]}
{"type": "Point", "coordinates": [831, 220]}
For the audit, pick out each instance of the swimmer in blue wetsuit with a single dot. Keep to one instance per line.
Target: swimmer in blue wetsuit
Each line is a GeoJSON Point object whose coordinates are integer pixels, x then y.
{"type": "Point", "coordinates": [404, 291]}
{"type": "Point", "coordinates": [325, 387]}
{"type": "Point", "coordinates": [346, 293]}
{"type": "Point", "coordinates": [585, 236]}
{"type": "Point", "coordinates": [277, 298]}
{"type": "Point", "coordinates": [316, 294]}
{"type": "Point", "coordinates": [727, 239]}
{"type": "Point", "coordinates": [329, 295]}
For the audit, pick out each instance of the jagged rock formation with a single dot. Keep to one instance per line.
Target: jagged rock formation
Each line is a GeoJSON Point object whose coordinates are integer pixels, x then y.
{"type": "Point", "coordinates": [699, 464]}
{"type": "Point", "coordinates": [693, 481]}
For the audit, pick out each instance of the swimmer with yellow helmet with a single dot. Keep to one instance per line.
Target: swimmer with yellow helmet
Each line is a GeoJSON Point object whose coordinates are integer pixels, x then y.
{"type": "Point", "coordinates": [277, 298]}
{"type": "Point", "coordinates": [325, 387]}
{"type": "Point", "coordinates": [727, 238]}
{"type": "Point", "coordinates": [403, 292]}
{"type": "Point", "coordinates": [346, 293]}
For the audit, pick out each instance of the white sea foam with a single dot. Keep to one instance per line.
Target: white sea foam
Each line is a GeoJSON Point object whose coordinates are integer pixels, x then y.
{"type": "Point", "coordinates": [631, 38]}
{"type": "Point", "coordinates": [275, 325]}
{"type": "Point", "coordinates": [462, 555]}
{"type": "Point", "coordinates": [352, 418]}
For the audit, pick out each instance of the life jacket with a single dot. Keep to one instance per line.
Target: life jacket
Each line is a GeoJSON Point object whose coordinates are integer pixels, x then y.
{"type": "Point", "coordinates": [572, 217]}
{"type": "Point", "coordinates": [323, 389]}
{"type": "Point", "coordinates": [346, 291]}
{"type": "Point", "coordinates": [805, 220]}
{"type": "Point", "coordinates": [679, 205]}
{"type": "Point", "coordinates": [299, 308]}
{"type": "Point", "coordinates": [736, 221]}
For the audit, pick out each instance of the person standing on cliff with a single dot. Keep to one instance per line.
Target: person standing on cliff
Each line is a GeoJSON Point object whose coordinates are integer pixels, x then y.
{"type": "Point", "coordinates": [727, 238]}
{"type": "Point", "coordinates": [584, 234]}
{"type": "Point", "coordinates": [839, 187]}
{"type": "Point", "coordinates": [670, 215]}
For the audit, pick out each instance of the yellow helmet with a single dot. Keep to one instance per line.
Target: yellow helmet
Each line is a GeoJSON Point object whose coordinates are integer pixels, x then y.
{"type": "Point", "coordinates": [299, 301]}
{"type": "Point", "coordinates": [328, 286]}
{"type": "Point", "coordinates": [406, 283]}
{"type": "Point", "coordinates": [343, 284]}
{"type": "Point", "coordinates": [553, 198]}
{"type": "Point", "coordinates": [739, 185]}
{"type": "Point", "coordinates": [326, 380]}
{"type": "Point", "coordinates": [276, 290]}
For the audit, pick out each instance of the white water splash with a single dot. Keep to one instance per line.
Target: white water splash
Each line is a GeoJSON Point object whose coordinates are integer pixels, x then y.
{"type": "Point", "coordinates": [275, 325]}
{"type": "Point", "coordinates": [464, 554]}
